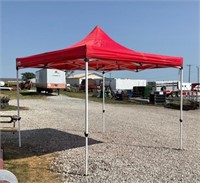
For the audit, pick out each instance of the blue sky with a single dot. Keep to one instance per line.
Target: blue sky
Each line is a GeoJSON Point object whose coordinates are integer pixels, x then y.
{"type": "Point", "coordinates": [161, 27]}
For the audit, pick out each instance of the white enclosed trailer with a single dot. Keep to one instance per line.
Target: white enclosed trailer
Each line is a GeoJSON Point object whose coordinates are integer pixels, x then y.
{"type": "Point", "coordinates": [171, 85]}
{"type": "Point", "coordinates": [126, 84]}
{"type": "Point", "coordinates": [171, 88]}
{"type": "Point", "coordinates": [49, 79]}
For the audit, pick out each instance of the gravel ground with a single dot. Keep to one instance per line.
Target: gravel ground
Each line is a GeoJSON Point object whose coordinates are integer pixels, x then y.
{"type": "Point", "coordinates": [141, 143]}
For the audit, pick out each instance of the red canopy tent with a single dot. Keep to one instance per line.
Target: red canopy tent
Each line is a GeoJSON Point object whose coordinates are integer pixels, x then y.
{"type": "Point", "coordinates": [103, 54]}
{"type": "Point", "coordinates": [99, 52]}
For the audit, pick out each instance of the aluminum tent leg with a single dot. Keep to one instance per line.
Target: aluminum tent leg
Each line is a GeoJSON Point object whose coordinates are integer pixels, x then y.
{"type": "Point", "coordinates": [181, 108]}
{"type": "Point", "coordinates": [86, 116]}
{"type": "Point", "coordinates": [18, 111]}
{"type": "Point", "coordinates": [103, 105]}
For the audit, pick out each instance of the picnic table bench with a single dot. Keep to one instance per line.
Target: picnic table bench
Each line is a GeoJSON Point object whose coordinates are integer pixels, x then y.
{"type": "Point", "coordinates": [9, 119]}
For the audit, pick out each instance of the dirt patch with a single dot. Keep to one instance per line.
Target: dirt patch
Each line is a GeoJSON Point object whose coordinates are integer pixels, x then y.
{"type": "Point", "coordinates": [30, 169]}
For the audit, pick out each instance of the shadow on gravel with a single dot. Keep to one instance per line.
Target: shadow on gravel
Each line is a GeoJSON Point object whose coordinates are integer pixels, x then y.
{"type": "Point", "coordinates": [39, 142]}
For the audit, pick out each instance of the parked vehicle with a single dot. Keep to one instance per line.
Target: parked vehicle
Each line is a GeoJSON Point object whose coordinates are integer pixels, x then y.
{"type": "Point", "coordinates": [91, 85]}
{"type": "Point", "coordinates": [49, 79]}
{"type": "Point", "coordinates": [25, 85]}
{"type": "Point", "coordinates": [142, 91]}
{"type": "Point", "coordinates": [126, 84]}
{"type": "Point", "coordinates": [171, 88]}
{"type": "Point", "coordinates": [195, 87]}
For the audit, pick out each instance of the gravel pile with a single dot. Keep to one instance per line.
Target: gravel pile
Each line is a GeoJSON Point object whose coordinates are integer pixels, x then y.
{"type": "Point", "coordinates": [141, 143]}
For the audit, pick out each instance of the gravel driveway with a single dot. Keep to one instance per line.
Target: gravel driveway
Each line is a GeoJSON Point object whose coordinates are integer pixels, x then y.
{"type": "Point", "coordinates": [140, 144]}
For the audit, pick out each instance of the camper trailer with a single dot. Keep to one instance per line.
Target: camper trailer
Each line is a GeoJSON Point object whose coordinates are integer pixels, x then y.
{"type": "Point", "coordinates": [49, 79]}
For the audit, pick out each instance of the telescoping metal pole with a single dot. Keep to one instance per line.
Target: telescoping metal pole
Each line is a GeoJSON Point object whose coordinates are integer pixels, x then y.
{"type": "Point", "coordinates": [86, 116]}
{"type": "Point", "coordinates": [181, 108]}
{"type": "Point", "coordinates": [18, 112]}
{"type": "Point", "coordinates": [103, 105]}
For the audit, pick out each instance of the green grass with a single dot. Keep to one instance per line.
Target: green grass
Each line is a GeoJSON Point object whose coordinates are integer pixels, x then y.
{"type": "Point", "coordinates": [13, 161]}
{"type": "Point", "coordinates": [95, 99]}
{"type": "Point", "coordinates": [13, 108]}
{"type": "Point", "coordinates": [73, 94]}
{"type": "Point", "coordinates": [17, 169]}
{"type": "Point", "coordinates": [25, 94]}
{"type": "Point", "coordinates": [26, 165]}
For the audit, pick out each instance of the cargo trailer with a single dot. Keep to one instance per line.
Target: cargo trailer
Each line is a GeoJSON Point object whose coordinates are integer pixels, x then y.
{"type": "Point", "coordinates": [49, 79]}
{"type": "Point", "coordinates": [126, 84]}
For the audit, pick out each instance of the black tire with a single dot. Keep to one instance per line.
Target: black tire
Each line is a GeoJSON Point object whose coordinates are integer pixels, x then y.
{"type": "Point", "coordinates": [49, 90]}
{"type": "Point", "coordinates": [173, 94]}
{"type": "Point", "coordinates": [38, 90]}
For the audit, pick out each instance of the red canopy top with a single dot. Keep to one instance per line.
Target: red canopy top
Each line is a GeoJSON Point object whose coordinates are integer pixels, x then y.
{"type": "Point", "coordinates": [103, 54]}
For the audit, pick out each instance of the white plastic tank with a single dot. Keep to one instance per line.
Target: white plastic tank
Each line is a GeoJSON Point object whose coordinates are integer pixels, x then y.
{"type": "Point", "coordinates": [2, 83]}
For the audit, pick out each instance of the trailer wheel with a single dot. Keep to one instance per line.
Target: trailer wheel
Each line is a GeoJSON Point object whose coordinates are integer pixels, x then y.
{"type": "Point", "coordinates": [173, 94]}
{"type": "Point", "coordinates": [49, 90]}
{"type": "Point", "coordinates": [38, 90]}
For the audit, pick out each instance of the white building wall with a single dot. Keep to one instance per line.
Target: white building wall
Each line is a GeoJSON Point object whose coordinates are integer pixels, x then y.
{"type": "Point", "coordinates": [92, 76]}
{"type": "Point", "coordinates": [126, 84]}
{"type": "Point", "coordinates": [77, 81]}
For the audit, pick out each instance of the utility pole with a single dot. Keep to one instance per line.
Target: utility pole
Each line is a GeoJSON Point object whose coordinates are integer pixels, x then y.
{"type": "Point", "coordinates": [189, 66]}
{"type": "Point", "coordinates": [110, 77]}
{"type": "Point", "coordinates": [198, 84]}
{"type": "Point", "coordinates": [197, 74]}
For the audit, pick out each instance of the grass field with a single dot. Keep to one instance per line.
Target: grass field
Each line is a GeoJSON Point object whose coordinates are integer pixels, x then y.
{"type": "Point", "coordinates": [22, 95]}
{"type": "Point", "coordinates": [28, 166]}
{"type": "Point", "coordinates": [32, 94]}
{"type": "Point", "coordinates": [25, 94]}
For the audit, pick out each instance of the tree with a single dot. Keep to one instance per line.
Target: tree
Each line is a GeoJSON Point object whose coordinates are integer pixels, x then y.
{"type": "Point", "coordinates": [27, 76]}
{"type": "Point", "coordinates": [68, 73]}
